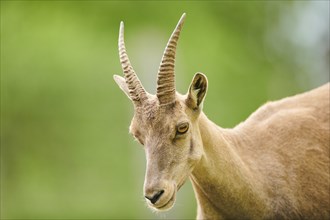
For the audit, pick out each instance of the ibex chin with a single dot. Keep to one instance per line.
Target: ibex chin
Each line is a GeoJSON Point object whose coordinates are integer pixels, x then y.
{"type": "Point", "coordinates": [274, 165]}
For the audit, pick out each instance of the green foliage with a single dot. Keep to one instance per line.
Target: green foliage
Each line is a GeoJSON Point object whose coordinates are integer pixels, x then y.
{"type": "Point", "coordinates": [65, 147]}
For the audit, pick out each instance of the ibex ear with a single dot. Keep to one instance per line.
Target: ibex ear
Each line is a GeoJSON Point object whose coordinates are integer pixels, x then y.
{"type": "Point", "coordinates": [197, 91]}
{"type": "Point", "coordinates": [122, 84]}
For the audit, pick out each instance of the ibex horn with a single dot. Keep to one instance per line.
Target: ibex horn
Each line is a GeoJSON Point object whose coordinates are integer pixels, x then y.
{"type": "Point", "coordinates": [136, 90]}
{"type": "Point", "coordinates": [165, 81]}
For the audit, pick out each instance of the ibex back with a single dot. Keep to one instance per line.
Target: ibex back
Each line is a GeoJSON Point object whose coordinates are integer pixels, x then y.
{"type": "Point", "coordinates": [275, 165]}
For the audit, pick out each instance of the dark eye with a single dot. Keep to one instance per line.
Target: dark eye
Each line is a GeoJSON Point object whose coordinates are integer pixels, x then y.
{"type": "Point", "coordinates": [182, 128]}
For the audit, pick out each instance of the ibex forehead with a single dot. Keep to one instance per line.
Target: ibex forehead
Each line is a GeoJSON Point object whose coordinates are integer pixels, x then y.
{"type": "Point", "coordinates": [152, 114]}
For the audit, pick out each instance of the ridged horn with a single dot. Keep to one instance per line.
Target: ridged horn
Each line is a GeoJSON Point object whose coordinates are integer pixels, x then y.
{"type": "Point", "coordinates": [136, 90]}
{"type": "Point", "coordinates": [165, 80]}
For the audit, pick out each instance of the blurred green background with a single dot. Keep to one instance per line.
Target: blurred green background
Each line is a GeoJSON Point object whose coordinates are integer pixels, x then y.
{"type": "Point", "coordinates": [65, 148]}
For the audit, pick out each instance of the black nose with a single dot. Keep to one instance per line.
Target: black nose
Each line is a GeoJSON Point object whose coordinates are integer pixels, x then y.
{"type": "Point", "coordinates": [155, 197]}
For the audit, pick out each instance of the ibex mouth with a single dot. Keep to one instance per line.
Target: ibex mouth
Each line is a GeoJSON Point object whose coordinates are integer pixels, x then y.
{"type": "Point", "coordinates": [167, 205]}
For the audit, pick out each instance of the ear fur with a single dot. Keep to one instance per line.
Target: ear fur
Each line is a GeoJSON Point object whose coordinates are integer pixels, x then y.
{"type": "Point", "coordinates": [197, 91]}
{"type": "Point", "coordinates": [122, 84]}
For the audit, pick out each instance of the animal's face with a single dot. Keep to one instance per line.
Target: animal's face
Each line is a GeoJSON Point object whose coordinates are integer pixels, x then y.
{"type": "Point", "coordinates": [166, 124]}
{"type": "Point", "coordinates": [172, 144]}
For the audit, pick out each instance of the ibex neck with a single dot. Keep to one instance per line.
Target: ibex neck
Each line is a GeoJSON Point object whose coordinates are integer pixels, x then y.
{"type": "Point", "coordinates": [222, 182]}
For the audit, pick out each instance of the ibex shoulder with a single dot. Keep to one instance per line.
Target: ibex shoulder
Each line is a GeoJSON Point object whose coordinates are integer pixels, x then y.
{"type": "Point", "coordinates": [311, 104]}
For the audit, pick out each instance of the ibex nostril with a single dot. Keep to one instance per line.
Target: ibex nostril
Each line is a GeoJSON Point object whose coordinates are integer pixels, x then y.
{"type": "Point", "coordinates": [155, 197]}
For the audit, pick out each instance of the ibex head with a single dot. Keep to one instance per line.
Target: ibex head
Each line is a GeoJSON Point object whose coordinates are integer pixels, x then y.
{"type": "Point", "coordinates": [165, 123]}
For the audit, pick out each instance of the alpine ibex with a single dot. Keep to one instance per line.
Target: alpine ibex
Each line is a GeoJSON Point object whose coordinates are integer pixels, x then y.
{"type": "Point", "coordinates": [274, 165]}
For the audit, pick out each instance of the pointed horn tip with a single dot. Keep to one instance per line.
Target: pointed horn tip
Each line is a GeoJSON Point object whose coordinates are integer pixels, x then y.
{"type": "Point", "coordinates": [121, 25]}
{"type": "Point", "coordinates": [121, 32]}
{"type": "Point", "coordinates": [183, 16]}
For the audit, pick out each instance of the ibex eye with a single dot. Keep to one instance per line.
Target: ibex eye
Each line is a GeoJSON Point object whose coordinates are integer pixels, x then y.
{"type": "Point", "coordinates": [182, 128]}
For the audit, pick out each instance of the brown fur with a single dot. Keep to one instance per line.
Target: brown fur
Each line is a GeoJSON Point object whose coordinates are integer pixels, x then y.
{"type": "Point", "coordinates": [275, 165]}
